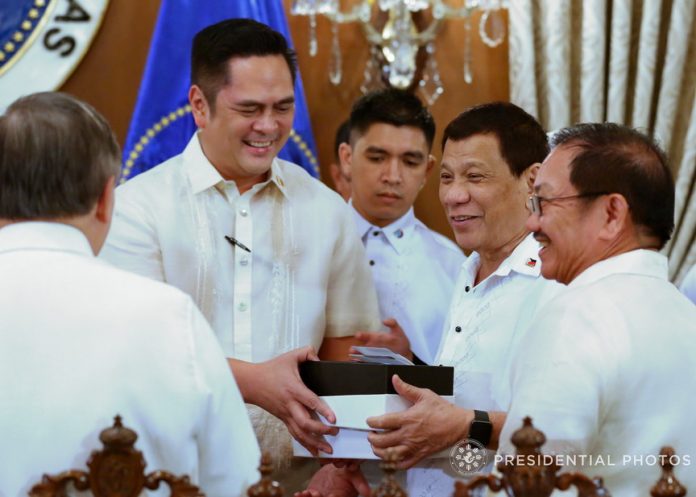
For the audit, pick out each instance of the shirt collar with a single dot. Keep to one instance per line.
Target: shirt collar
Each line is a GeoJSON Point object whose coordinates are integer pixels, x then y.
{"type": "Point", "coordinates": [40, 235]}
{"type": "Point", "coordinates": [203, 175]}
{"type": "Point", "coordinates": [638, 262]}
{"type": "Point", "coordinates": [396, 233]}
{"type": "Point", "coordinates": [524, 259]}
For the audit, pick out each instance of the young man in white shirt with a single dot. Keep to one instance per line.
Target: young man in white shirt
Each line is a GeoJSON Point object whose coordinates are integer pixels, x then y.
{"type": "Point", "coordinates": [81, 341]}
{"type": "Point", "coordinates": [269, 254]}
{"type": "Point", "coordinates": [414, 268]}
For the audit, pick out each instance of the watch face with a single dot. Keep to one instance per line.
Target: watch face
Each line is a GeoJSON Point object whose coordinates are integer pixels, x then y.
{"type": "Point", "coordinates": [468, 457]}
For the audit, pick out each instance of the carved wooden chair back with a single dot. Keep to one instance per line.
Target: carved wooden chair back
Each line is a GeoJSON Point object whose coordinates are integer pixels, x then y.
{"type": "Point", "coordinates": [117, 470]}
{"type": "Point", "coordinates": [531, 476]}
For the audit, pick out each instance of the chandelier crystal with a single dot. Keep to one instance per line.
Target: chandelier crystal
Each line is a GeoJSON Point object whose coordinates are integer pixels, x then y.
{"type": "Point", "coordinates": [395, 45]}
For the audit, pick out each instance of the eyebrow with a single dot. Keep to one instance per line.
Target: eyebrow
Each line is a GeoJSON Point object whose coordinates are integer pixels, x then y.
{"type": "Point", "coordinates": [255, 103]}
{"type": "Point", "coordinates": [414, 154]}
{"type": "Point", "coordinates": [375, 150]}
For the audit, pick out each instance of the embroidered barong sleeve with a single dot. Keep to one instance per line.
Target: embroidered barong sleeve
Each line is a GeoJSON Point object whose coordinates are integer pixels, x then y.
{"type": "Point", "coordinates": [351, 301]}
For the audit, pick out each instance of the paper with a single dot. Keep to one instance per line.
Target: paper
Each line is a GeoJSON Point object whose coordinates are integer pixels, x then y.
{"type": "Point", "coordinates": [379, 355]}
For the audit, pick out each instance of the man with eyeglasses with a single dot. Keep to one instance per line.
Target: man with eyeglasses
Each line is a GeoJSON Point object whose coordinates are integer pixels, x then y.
{"type": "Point", "coordinates": [609, 368]}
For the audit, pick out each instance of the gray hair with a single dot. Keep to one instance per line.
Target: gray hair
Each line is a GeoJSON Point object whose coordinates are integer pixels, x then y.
{"type": "Point", "coordinates": [56, 155]}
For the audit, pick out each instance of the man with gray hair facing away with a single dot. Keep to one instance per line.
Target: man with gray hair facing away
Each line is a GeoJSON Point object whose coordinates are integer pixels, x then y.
{"type": "Point", "coordinates": [81, 341]}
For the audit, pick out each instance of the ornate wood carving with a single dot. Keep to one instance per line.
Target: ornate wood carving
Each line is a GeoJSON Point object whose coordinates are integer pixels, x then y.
{"type": "Point", "coordinates": [667, 485]}
{"type": "Point", "coordinates": [266, 487]}
{"type": "Point", "coordinates": [389, 486]}
{"type": "Point", "coordinates": [115, 471]}
{"type": "Point", "coordinates": [528, 476]}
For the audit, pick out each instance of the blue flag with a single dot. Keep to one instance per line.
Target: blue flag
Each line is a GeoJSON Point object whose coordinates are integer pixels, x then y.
{"type": "Point", "coordinates": [162, 123]}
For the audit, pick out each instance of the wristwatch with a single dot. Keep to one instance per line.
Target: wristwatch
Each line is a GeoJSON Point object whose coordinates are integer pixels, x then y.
{"type": "Point", "coordinates": [481, 428]}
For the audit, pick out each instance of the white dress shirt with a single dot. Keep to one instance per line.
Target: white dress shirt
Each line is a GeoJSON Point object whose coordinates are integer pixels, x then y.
{"type": "Point", "coordinates": [304, 278]}
{"type": "Point", "coordinates": [486, 322]}
{"type": "Point", "coordinates": [81, 341]}
{"type": "Point", "coordinates": [414, 270]}
{"type": "Point", "coordinates": [610, 370]}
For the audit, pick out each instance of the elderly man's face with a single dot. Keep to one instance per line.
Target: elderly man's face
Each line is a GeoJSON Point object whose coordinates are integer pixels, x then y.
{"type": "Point", "coordinates": [567, 227]}
{"type": "Point", "coordinates": [484, 202]}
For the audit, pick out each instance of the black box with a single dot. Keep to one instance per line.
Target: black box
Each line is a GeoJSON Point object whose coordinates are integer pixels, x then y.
{"type": "Point", "coordinates": [355, 378]}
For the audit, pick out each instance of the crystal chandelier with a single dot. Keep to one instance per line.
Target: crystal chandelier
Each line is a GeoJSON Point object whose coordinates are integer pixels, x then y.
{"type": "Point", "coordinates": [396, 44]}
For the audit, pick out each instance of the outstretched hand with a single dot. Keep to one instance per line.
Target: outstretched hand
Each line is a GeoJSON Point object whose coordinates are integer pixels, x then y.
{"type": "Point", "coordinates": [275, 386]}
{"type": "Point", "coordinates": [395, 339]}
{"type": "Point", "coordinates": [428, 426]}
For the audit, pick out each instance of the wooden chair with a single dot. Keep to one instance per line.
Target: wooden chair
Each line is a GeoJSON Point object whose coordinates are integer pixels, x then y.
{"type": "Point", "coordinates": [540, 480]}
{"type": "Point", "coordinates": [117, 470]}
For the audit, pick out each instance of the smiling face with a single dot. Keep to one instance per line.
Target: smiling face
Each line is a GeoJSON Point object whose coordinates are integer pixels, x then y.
{"type": "Point", "coordinates": [568, 230]}
{"type": "Point", "coordinates": [388, 166]}
{"type": "Point", "coordinates": [484, 202]}
{"type": "Point", "coordinates": [252, 118]}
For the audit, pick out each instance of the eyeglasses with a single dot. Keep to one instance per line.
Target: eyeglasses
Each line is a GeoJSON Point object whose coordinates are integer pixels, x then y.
{"type": "Point", "coordinates": [534, 202]}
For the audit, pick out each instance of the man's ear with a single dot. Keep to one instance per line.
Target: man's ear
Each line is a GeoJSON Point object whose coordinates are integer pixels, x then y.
{"type": "Point", "coordinates": [105, 203]}
{"type": "Point", "coordinates": [431, 164]}
{"type": "Point", "coordinates": [199, 106]}
{"type": "Point", "coordinates": [616, 216]}
{"type": "Point", "coordinates": [345, 156]}
{"type": "Point", "coordinates": [530, 175]}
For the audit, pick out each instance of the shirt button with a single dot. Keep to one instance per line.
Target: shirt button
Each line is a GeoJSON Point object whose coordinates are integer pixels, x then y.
{"type": "Point", "coordinates": [458, 329]}
{"type": "Point", "coordinates": [376, 233]}
{"type": "Point", "coordinates": [242, 307]}
{"type": "Point", "coordinates": [243, 212]}
{"type": "Point", "coordinates": [372, 263]}
{"type": "Point", "coordinates": [399, 233]}
{"type": "Point", "coordinates": [244, 261]}
{"type": "Point", "coordinates": [467, 288]}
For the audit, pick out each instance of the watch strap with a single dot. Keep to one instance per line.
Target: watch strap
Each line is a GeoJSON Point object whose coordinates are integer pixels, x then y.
{"type": "Point", "coordinates": [481, 428]}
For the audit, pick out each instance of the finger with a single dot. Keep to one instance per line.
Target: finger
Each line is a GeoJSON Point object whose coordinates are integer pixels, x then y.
{"type": "Point", "coordinates": [408, 392]}
{"type": "Point", "coordinates": [313, 443]}
{"type": "Point", "coordinates": [311, 354]}
{"type": "Point", "coordinates": [357, 479]}
{"type": "Point", "coordinates": [362, 336]}
{"type": "Point", "coordinates": [311, 401]}
{"type": "Point", "coordinates": [389, 421]}
{"type": "Point", "coordinates": [386, 439]}
{"type": "Point", "coordinates": [306, 423]}
{"type": "Point", "coordinates": [393, 326]}
{"type": "Point", "coordinates": [390, 323]}
{"type": "Point", "coordinates": [401, 452]}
